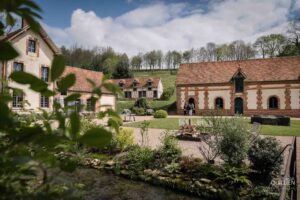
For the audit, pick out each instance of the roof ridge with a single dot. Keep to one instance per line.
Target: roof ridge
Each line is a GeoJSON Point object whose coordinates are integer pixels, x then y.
{"type": "Point", "coordinates": [244, 60]}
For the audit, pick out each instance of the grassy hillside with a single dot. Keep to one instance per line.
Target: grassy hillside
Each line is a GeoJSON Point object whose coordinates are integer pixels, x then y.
{"type": "Point", "coordinates": [168, 80]}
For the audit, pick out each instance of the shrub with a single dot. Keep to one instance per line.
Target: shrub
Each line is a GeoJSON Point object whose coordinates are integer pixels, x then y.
{"type": "Point", "coordinates": [125, 138]}
{"type": "Point", "coordinates": [264, 155]}
{"type": "Point", "coordinates": [167, 93]}
{"type": "Point", "coordinates": [140, 158]}
{"type": "Point", "coordinates": [138, 111]}
{"type": "Point", "coordinates": [173, 167]}
{"type": "Point", "coordinates": [86, 125]}
{"type": "Point", "coordinates": [170, 149]}
{"type": "Point", "coordinates": [233, 143]}
{"type": "Point", "coordinates": [142, 103]}
{"type": "Point", "coordinates": [190, 165]}
{"type": "Point", "coordinates": [161, 114]}
{"type": "Point", "coordinates": [234, 177]}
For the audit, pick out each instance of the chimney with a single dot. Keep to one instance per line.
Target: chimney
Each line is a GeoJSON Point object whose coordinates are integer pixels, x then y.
{"type": "Point", "coordinates": [24, 23]}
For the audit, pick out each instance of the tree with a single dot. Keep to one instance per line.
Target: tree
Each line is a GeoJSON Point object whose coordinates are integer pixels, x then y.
{"type": "Point", "coordinates": [261, 45]}
{"type": "Point", "coordinates": [271, 45]}
{"type": "Point", "coordinates": [187, 55]}
{"type": "Point", "coordinates": [122, 70]}
{"type": "Point", "coordinates": [177, 57]}
{"type": "Point", "coordinates": [136, 62]}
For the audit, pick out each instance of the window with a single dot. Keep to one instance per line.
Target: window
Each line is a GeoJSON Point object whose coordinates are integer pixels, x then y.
{"type": "Point", "coordinates": [63, 93]}
{"type": "Point", "coordinates": [90, 104]}
{"type": "Point", "coordinates": [239, 84]}
{"type": "Point", "coordinates": [219, 104]}
{"type": "Point", "coordinates": [45, 74]}
{"type": "Point", "coordinates": [17, 100]}
{"type": "Point", "coordinates": [273, 103]}
{"type": "Point", "coordinates": [44, 102]}
{"type": "Point", "coordinates": [31, 46]}
{"type": "Point", "coordinates": [18, 67]}
{"type": "Point", "coordinates": [128, 94]}
{"type": "Point", "coordinates": [142, 94]}
{"type": "Point", "coordinates": [155, 94]}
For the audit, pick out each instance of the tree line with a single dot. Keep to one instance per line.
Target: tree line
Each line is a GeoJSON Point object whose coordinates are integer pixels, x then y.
{"type": "Point", "coordinates": [119, 65]}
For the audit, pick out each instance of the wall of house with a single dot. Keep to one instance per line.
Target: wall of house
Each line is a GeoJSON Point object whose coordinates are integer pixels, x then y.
{"type": "Point", "coordinates": [107, 101]}
{"type": "Point", "coordinates": [32, 64]}
{"type": "Point", "coordinates": [149, 93]}
{"type": "Point", "coordinates": [255, 98]}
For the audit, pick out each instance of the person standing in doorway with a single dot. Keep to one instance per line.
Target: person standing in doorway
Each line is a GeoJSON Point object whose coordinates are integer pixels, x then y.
{"type": "Point", "coordinates": [191, 108]}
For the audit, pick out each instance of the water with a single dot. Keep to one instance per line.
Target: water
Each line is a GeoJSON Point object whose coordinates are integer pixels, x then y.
{"type": "Point", "coordinates": [105, 186]}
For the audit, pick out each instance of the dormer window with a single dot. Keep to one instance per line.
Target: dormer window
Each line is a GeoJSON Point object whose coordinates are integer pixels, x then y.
{"type": "Point", "coordinates": [31, 46]}
{"type": "Point", "coordinates": [239, 84]}
{"type": "Point", "coordinates": [135, 82]}
{"type": "Point", "coordinates": [121, 84]}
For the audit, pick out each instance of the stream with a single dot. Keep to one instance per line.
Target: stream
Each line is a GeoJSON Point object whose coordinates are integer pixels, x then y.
{"type": "Point", "coordinates": [106, 186]}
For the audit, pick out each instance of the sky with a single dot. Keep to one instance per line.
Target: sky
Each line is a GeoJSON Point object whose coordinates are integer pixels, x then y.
{"type": "Point", "coordinates": [134, 26]}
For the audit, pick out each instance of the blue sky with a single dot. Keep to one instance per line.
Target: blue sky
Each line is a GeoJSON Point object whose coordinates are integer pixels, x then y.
{"type": "Point", "coordinates": [135, 26]}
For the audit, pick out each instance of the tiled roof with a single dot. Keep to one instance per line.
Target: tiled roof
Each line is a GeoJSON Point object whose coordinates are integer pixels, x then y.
{"type": "Point", "coordinates": [270, 69]}
{"type": "Point", "coordinates": [142, 82]}
{"type": "Point", "coordinates": [82, 85]}
{"type": "Point", "coordinates": [11, 36]}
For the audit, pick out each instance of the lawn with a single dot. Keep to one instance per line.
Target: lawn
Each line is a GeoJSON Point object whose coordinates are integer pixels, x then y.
{"type": "Point", "coordinates": [172, 124]}
{"type": "Point", "coordinates": [168, 80]}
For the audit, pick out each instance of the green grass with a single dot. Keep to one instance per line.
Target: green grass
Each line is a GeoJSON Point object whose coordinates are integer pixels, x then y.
{"type": "Point", "coordinates": [172, 124]}
{"type": "Point", "coordinates": [168, 80]}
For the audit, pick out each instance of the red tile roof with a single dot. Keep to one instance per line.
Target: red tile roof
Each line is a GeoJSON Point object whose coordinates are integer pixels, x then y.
{"type": "Point", "coordinates": [141, 82]}
{"type": "Point", "coordinates": [82, 85]}
{"type": "Point", "coordinates": [270, 69]}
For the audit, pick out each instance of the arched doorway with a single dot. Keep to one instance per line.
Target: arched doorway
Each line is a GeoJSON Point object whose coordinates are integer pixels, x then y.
{"type": "Point", "coordinates": [192, 101]}
{"type": "Point", "coordinates": [238, 106]}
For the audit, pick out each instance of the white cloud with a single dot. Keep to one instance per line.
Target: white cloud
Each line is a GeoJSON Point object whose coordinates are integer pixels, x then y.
{"type": "Point", "coordinates": [175, 26]}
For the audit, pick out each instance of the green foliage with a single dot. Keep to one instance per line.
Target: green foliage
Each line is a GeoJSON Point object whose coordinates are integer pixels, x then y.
{"type": "Point", "coordinates": [173, 167]}
{"type": "Point", "coordinates": [66, 82]}
{"type": "Point", "coordinates": [233, 177]}
{"type": "Point", "coordinates": [233, 144]}
{"type": "Point", "coordinates": [125, 138]}
{"type": "Point", "coordinates": [31, 144]}
{"type": "Point", "coordinates": [122, 69]}
{"type": "Point", "coordinates": [7, 51]}
{"type": "Point", "coordinates": [190, 165]}
{"type": "Point", "coordinates": [265, 156]}
{"type": "Point", "coordinates": [167, 93]}
{"type": "Point", "coordinates": [138, 111]}
{"type": "Point", "coordinates": [160, 114]}
{"type": "Point", "coordinates": [140, 158]}
{"type": "Point", "coordinates": [170, 149]}
{"type": "Point", "coordinates": [96, 137]}
{"type": "Point", "coordinates": [57, 67]}
{"type": "Point", "coordinates": [142, 103]}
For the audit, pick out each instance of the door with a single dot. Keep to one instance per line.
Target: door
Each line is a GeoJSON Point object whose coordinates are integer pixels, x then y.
{"type": "Point", "coordinates": [238, 106]}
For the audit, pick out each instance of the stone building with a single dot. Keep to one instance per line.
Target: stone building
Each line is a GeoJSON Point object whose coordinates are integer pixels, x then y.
{"type": "Point", "coordinates": [148, 87]}
{"type": "Point", "coordinates": [36, 52]}
{"type": "Point", "coordinates": [82, 86]}
{"type": "Point", "coordinates": [258, 86]}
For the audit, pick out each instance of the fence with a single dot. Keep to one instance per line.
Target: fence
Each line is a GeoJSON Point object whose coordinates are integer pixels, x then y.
{"type": "Point", "coordinates": [290, 173]}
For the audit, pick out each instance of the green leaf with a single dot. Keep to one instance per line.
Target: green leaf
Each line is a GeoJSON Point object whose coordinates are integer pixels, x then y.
{"type": "Point", "coordinates": [57, 67]}
{"type": "Point", "coordinates": [72, 97]}
{"type": "Point", "coordinates": [68, 165]}
{"type": "Point", "coordinates": [112, 88]}
{"type": "Point", "coordinates": [35, 83]}
{"type": "Point", "coordinates": [66, 82]}
{"type": "Point", "coordinates": [96, 137]}
{"type": "Point", "coordinates": [75, 124]}
{"type": "Point", "coordinates": [7, 51]}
